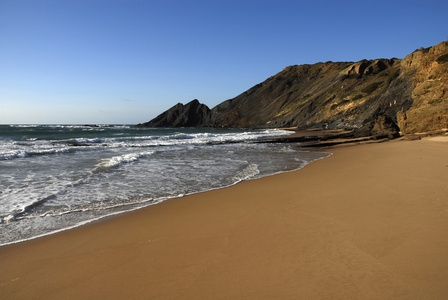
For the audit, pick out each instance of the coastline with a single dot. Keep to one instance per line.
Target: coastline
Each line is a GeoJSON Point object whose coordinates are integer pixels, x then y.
{"type": "Point", "coordinates": [368, 222]}
{"type": "Point", "coordinates": [37, 200]}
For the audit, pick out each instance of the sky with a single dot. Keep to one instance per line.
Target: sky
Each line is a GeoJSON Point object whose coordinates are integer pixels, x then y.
{"type": "Point", "coordinates": [126, 61]}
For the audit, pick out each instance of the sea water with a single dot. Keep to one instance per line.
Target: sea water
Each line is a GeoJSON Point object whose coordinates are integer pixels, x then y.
{"type": "Point", "coordinates": [55, 177]}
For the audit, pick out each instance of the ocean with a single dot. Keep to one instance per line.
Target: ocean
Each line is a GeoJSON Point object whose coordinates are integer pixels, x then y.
{"type": "Point", "coordinates": [56, 177]}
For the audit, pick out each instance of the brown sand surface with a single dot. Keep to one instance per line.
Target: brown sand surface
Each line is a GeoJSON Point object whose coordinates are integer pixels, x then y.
{"type": "Point", "coordinates": [369, 222]}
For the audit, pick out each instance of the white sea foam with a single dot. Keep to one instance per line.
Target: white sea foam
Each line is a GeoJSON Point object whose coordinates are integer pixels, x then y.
{"type": "Point", "coordinates": [180, 139]}
{"type": "Point", "coordinates": [12, 154]}
{"type": "Point", "coordinates": [90, 140]}
{"type": "Point", "coordinates": [248, 172]}
{"type": "Point", "coordinates": [116, 161]}
{"type": "Point", "coordinates": [24, 126]}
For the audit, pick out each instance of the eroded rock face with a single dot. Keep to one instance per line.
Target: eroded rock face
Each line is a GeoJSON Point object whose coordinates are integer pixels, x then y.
{"type": "Point", "coordinates": [366, 67]}
{"type": "Point", "coordinates": [429, 111]}
{"type": "Point", "coordinates": [385, 126]}
{"type": "Point", "coordinates": [376, 97]}
{"type": "Point", "coordinates": [380, 127]}
{"type": "Point", "coordinates": [323, 95]}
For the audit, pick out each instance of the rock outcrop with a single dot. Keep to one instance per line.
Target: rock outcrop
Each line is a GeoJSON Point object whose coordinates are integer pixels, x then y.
{"type": "Point", "coordinates": [372, 97]}
{"type": "Point", "coordinates": [192, 114]}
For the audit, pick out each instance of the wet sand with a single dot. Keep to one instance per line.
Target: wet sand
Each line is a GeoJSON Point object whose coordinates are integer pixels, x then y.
{"type": "Point", "coordinates": [369, 222]}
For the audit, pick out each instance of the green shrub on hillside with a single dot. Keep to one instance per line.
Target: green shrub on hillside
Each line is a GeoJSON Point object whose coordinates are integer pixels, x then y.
{"type": "Point", "coordinates": [393, 76]}
{"type": "Point", "coordinates": [351, 76]}
{"type": "Point", "coordinates": [371, 87]}
{"type": "Point", "coordinates": [357, 97]}
{"type": "Point", "coordinates": [434, 101]}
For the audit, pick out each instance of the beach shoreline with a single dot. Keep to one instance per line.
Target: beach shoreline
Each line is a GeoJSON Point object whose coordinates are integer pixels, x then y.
{"type": "Point", "coordinates": [62, 176]}
{"type": "Point", "coordinates": [368, 222]}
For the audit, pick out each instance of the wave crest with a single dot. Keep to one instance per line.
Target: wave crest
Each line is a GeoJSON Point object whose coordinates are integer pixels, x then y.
{"type": "Point", "coordinates": [12, 154]}
{"type": "Point", "coordinates": [248, 172]}
{"type": "Point", "coordinates": [116, 161]}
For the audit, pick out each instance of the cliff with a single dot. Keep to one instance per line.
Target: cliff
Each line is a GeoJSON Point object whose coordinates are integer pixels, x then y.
{"type": "Point", "coordinates": [372, 97]}
{"type": "Point", "coordinates": [429, 110]}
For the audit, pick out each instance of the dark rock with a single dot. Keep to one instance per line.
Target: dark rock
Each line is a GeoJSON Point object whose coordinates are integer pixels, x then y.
{"type": "Point", "coordinates": [192, 114]}
{"type": "Point", "coordinates": [384, 126]}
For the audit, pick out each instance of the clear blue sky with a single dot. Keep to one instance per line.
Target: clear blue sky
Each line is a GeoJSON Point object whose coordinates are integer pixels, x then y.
{"type": "Point", "coordinates": [126, 61]}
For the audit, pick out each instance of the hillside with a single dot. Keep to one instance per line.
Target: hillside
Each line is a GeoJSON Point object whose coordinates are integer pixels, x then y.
{"type": "Point", "coordinates": [370, 96]}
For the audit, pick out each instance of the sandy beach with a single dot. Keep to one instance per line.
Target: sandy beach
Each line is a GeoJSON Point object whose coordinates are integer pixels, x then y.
{"type": "Point", "coordinates": [369, 222]}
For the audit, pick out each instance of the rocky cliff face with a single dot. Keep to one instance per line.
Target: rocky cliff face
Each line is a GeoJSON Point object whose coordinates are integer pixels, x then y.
{"type": "Point", "coordinates": [381, 96]}
{"type": "Point", "coordinates": [429, 110]}
{"type": "Point", "coordinates": [326, 95]}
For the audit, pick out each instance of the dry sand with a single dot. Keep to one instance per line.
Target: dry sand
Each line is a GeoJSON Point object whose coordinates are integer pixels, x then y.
{"type": "Point", "coordinates": [369, 222]}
